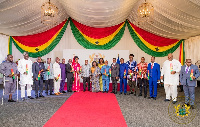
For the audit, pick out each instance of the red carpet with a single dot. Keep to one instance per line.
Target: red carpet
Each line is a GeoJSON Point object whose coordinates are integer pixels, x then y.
{"type": "Point", "coordinates": [87, 109]}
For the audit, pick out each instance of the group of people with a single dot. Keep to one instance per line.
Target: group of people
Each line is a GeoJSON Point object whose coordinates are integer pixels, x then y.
{"type": "Point", "coordinates": [99, 75]}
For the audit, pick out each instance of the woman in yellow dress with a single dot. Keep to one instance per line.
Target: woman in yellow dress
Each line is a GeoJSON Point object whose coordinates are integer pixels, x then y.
{"type": "Point", "coordinates": [101, 63]}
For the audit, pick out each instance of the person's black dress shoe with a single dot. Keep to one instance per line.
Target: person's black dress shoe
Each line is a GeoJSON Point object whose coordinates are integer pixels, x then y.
{"type": "Point", "coordinates": [131, 93]}
{"type": "Point", "coordinates": [120, 93]}
{"type": "Point", "coordinates": [41, 96]}
{"type": "Point", "coordinates": [154, 98]}
{"type": "Point", "coordinates": [173, 102]}
{"type": "Point", "coordinates": [140, 95]}
{"type": "Point", "coordinates": [63, 92]}
{"type": "Point", "coordinates": [166, 100]}
{"type": "Point", "coordinates": [135, 94]}
{"type": "Point", "coordinates": [192, 107]}
{"type": "Point", "coordinates": [36, 97]}
{"type": "Point", "coordinates": [145, 96]}
{"type": "Point", "coordinates": [112, 92]}
{"type": "Point", "coordinates": [30, 97]}
{"type": "Point", "coordinates": [11, 100]}
{"type": "Point", "coordinates": [51, 94]}
{"type": "Point", "coordinates": [124, 93]}
{"type": "Point", "coordinates": [115, 93]}
{"type": "Point", "coordinates": [103, 92]}
{"type": "Point", "coordinates": [106, 91]}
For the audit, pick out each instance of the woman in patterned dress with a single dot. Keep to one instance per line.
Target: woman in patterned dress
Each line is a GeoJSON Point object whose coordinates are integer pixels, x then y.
{"type": "Point", "coordinates": [76, 68]}
{"type": "Point", "coordinates": [100, 65]}
{"type": "Point", "coordinates": [95, 71]}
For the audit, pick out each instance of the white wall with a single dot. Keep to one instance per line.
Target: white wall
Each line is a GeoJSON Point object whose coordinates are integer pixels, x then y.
{"type": "Point", "coordinates": [192, 49]}
{"type": "Point", "coordinates": [69, 42]}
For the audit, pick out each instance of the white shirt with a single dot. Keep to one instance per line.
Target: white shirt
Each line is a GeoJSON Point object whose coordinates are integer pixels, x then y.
{"type": "Point", "coordinates": [25, 79]}
{"type": "Point", "coordinates": [171, 79]}
{"type": "Point", "coordinates": [56, 70]}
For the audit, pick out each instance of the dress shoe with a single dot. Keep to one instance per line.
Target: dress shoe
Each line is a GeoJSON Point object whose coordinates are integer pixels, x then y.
{"type": "Point", "coordinates": [11, 100]}
{"type": "Point", "coordinates": [135, 94]}
{"type": "Point", "coordinates": [41, 96]}
{"type": "Point", "coordinates": [23, 99]}
{"type": "Point", "coordinates": [51, 94]}
{"type": "Point", "coordinates": [124, 93]}
{"type": "Point", "coordinates": [30, 97]}
{"type": "Point", "coordinates": [174, 102]}
{"type": "Point", "coordinates": [140, 95]}
{"type": "Point", "coordinates": [154, 98]}
{"type": "Point", "coordinates": [103, 92]}
{"type": "Point", "coordinates": [192, 107]}
{"type": "Point", "coordinates": [115, 93]}
{"type": "Point", "coordinates": [112, 92]}
{"type": "Point", "coordinates": [166, 100]}
{"type": "Point", "coordinates": [68, 91]}
{"type": "Point", "coordinates": [63, 92]}
{"type": "Point", "coordinates": [145, 96]}
{"type": "Point", "coordinates": [106, 91]}
{"type": "Point", "coordinates": [36, 97]}
{"type": "Point", "coordinates": [120, 93]}
{"type": "Point", "coordinates": [130, 93]}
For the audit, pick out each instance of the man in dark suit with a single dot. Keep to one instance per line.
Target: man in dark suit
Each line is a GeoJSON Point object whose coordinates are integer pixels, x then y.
{"type": "Point", "coordinates": [69, 73]}
{"type": "Point", "coordinates": [188, 76]}
{"type": "Point", "coordinates": [38, 69]}
{"type": "Point", "coordinates": [114, 75]}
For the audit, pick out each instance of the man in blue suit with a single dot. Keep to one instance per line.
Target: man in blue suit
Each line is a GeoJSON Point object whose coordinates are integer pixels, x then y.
{"type": "Point", "coordinates": [188, 75]}
{"type": "Point", "coordinates": [123, 71]}
{"type": "Point", "coordinates": [154, 76]}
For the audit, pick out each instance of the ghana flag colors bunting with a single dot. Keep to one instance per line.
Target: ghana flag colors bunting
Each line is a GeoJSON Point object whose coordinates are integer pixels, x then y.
{"type": "Point", "coordinates": [182, 53]}
{"type": "Point", "coordinates": [97, 38]}
{"type": "Point", "coordinates": [152, 44]}
{"type": "Point", "coordinates": [39, 44]}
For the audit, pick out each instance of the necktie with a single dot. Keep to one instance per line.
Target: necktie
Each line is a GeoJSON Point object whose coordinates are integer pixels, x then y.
{"type": "Point", "coordinates": [187, 70]}
{"type": "Point", "coordinates": [151, 66]}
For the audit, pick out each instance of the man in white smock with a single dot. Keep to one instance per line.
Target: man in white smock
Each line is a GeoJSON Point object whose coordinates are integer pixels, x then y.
{"type": "Point", "coordinates": [57, 76]}
{"type": "Point", "coordinates": [170, 70]}
{"type": "Point", "coordinates": [25, 69]}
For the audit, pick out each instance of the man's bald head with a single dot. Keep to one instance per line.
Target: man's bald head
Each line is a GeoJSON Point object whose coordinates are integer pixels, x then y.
{"type": "Point", "coordinates": [170, 57]}
{"type": "Point", "coordinates": [57, 60]}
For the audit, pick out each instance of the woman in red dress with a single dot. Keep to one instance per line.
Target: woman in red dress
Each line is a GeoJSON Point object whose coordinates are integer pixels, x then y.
{"type": "Point", "coordinates": [77, 69]}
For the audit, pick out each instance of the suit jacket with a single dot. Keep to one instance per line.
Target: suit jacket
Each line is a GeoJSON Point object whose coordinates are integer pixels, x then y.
{"type": "Point", "coordinates": [184, 75]}
{"type": "Point", "coordinates": [114, 70]}
{"type": "Point", "coordinates": [36, 68]}
{"type": "Point", "coordinates": [154, 73]}
{"type": "Point", "coordinates": [68, 69]}
{"type": "Point", "coordinates": [122, 68]}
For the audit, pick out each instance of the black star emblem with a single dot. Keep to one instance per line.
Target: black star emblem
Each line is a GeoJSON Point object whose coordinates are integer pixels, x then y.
{"type": "Point", "coordinates": [157, 49]}
{"type": "Point", "coordinates": [97, 42]}
{"type": "Point", "coordinates": [37, 49]}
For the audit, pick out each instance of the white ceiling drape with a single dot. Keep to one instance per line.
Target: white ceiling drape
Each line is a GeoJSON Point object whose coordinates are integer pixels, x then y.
{"type": "Point", "coordinates": [178, 19]}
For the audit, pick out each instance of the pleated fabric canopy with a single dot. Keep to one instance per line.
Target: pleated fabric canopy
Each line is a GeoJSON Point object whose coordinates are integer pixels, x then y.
{"type": "Point", "coordinates": [175, 19]}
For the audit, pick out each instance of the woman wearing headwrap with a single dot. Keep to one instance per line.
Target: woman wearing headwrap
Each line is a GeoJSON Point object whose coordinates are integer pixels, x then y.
{"type": "Point", "coordinates": [100, 65]}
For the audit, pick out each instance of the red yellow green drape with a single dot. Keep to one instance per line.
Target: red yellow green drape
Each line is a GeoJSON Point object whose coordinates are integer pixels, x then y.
{"type": "Point", "coordinates": [182, 54]}
{"type": "Point", "coordinates": [97, 38]}
{"type": "Point", "coordinates": [39, 44]}
{"type": "Point", "coordinates": [152, 44]}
